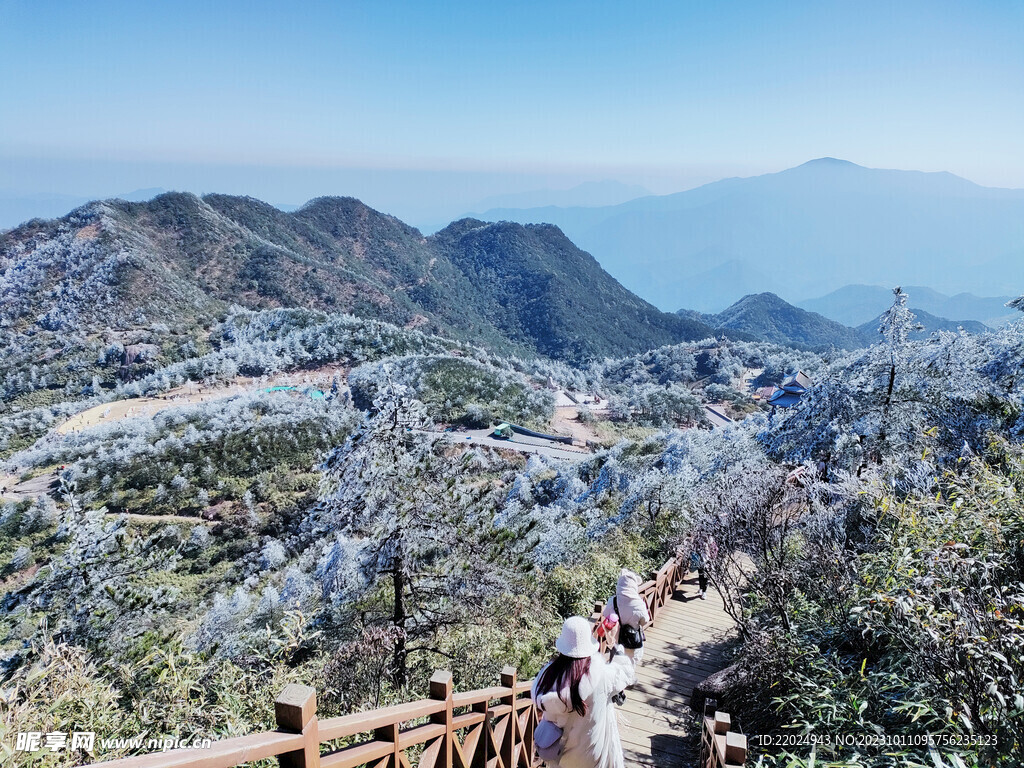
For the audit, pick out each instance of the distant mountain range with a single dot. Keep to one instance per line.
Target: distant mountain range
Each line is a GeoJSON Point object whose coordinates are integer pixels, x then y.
{"type": "Point", "coordinates": [588, 194]}
{"type": "Point", "coordinates": [181, 260]}
{"type": "Point", "coordinates": [766, 316]}
{"type": "Point", "coordinates": [803, 232]}
{"type": "Point", "coordinates": [857, 304]}
{"type": "Point", "coordinates": [929, 324]}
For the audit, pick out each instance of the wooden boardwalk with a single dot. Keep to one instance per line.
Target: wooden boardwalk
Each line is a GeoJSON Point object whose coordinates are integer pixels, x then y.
{"type": "Point", "coordinates": [686, 645]}
{"type": "Point", "coordinates": [494, 726]}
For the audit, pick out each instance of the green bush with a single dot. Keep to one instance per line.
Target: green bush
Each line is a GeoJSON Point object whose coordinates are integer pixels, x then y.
{"type": "Point", "coordinates": [928, 638]}
{"type": "Point", "coordinates": [573, 589]}
{"type": "Point", "coordinates": [457, 390]}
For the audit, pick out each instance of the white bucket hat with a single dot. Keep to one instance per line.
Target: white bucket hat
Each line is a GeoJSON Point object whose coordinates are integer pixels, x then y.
{"type": "Point", "coordinates": [577, 639]}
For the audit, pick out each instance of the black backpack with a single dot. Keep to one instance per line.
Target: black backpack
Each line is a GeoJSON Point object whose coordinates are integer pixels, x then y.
{"type": "Point", "coordinates": [631, 637]}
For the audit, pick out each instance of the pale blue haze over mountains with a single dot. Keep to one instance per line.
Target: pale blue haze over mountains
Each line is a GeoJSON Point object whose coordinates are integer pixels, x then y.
{"type": "Point", "coordinates": [424, 112]}
{"type": "Point", "coordinates": [855, 305]}
{"type": "Point", "coordinates": [802, 233]}
{"type": "Point", "coordinates": [799, 234]}
{"type": "Point", "coordinates": [586, 195]}
{"type": "Point", "coordinates": [17, 208]}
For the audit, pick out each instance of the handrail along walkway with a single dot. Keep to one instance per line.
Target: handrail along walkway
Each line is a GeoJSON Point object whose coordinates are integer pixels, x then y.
{"type": "Point", "coordinates": [490, 727]}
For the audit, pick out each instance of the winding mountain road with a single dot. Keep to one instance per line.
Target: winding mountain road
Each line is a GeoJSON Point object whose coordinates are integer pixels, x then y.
{"type": "Point", "coordinates": [520, 443]}
{"type": "Point", "coordinates": [716, 415]}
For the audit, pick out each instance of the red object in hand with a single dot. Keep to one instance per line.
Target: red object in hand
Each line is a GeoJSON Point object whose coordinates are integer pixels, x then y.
{"type": "Point", "coordinates": [608, 623]}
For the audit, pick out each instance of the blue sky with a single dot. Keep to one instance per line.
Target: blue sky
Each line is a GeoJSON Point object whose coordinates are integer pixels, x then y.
{"type": "Point", "coordinates": [448, 102]}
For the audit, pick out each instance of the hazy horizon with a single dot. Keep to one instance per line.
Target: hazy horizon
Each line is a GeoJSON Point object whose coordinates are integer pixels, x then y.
{"type": "Point", "coordinates": [424, 111]}
{"type": "Point", "coordinates": [388, 190]}
{"type": "Point", "coordinates": [400, 192]}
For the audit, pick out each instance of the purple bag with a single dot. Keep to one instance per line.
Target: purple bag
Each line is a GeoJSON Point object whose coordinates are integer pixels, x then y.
{"type": "Point", "coordinates": [548, 739]}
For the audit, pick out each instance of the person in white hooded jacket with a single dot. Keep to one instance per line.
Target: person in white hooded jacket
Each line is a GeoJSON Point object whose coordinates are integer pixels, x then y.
{"type": "Point", "coordinates": [632, 609]}
{"type": "Point", "coordinates": [575, 691]}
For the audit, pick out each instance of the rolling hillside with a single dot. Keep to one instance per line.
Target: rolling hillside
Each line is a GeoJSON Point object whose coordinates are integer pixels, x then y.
{"type": "Point", "coordinates": [180, 261]}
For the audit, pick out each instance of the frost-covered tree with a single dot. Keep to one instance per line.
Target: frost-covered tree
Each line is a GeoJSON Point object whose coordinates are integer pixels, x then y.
{"type": "Point", "coordinates": [896, 324]}
{"type": "Point", "coordinates": [98, 589]}
{"type": "Point", "coordinates": [746, 529]}
{"type": "Point", "coordinates": [420, 523]}
{"type": "Point", "coordinates": [456, 389]}
{"type": "Point", "coordinates": [906, 407]}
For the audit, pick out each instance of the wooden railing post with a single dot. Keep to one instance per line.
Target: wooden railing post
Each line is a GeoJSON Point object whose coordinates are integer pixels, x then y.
{"type": "Point", "coordinates": [735, 749]}
{"type": "Point", "coordinates": [295, 711]}
{"type": "Point", "coordinates": [657, 599]}
{"type": "Point", "coordinates": [508, 743]}
{"type": "Point", "coordinates": [720, 747]}
{"type": "Point", "coordinates": [528, 736]}
{"type": "Point", "coordinates": [390, 733]}
{"type": "Point", "coordinates": [441, 689]}
{"type": "Point", "coordinates": [479, 754]}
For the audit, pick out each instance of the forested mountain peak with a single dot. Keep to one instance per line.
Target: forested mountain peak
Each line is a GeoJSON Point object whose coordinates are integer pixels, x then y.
{"type": "Point", "coordinates": [766, 316]}
{"type": "Point", "coordinates": [461, 226]}
{"type": "Point", "coordinates": [180, 260]}
{"type": "Point", "coordinates": [538, 281]}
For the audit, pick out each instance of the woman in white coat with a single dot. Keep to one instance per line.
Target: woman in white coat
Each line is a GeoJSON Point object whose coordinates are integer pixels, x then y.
{"type": "Point", "coordinates": [575, 690]}
{"type": "Point", "coordinates": [632, 609]}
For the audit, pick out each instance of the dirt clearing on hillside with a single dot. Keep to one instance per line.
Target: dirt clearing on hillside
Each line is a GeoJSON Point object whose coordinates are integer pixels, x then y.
{"type": "Point", "coordinates": [320, 378]}
{"type": "Point", "coordinates": [566, 422]}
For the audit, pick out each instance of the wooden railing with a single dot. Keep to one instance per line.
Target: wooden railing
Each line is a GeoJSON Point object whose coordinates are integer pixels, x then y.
{"type": "Point", "coordinates": [720, 747]}
{"type": "Point", "coordinates": [656, 592]}
{"type": "Point", "coordinates": [491, 727]}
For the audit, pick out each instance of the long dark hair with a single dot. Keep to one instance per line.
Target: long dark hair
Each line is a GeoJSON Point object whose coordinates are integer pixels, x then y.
{"type": "Point", "coordinates": [565, 669]}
